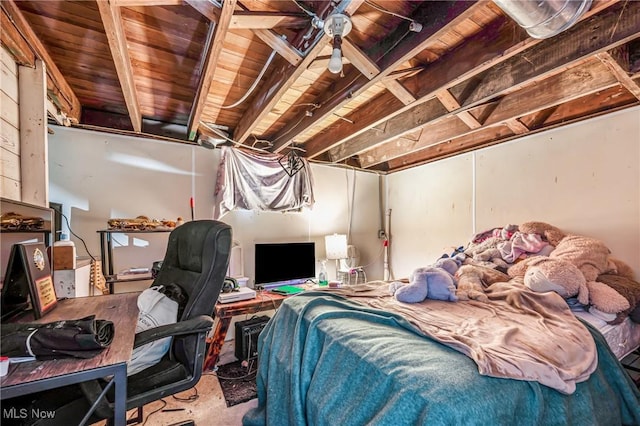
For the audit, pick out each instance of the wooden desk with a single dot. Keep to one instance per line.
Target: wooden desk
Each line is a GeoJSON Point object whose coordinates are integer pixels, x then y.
{"type": "Point", "coordinates": [264, 301]}
{"type": "Point", "coordinates": [36, 376]}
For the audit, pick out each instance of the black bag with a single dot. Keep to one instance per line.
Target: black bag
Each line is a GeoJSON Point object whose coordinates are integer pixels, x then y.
{"type": "Point", "coordinates": [80, 338]}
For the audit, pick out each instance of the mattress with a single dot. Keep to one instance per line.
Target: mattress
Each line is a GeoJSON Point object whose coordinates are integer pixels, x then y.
{"type": "Point", "coordinates": [622, 338]}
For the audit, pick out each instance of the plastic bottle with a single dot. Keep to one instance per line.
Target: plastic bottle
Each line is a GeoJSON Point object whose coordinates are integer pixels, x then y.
{"type": "Point", "coordinates": [322, 276]}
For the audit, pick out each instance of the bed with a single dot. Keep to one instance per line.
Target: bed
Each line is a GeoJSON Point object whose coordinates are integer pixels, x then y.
{"type": "Point", "coordinates": [353, 358]}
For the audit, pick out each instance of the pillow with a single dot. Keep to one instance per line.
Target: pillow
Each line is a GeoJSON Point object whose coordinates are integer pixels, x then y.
{"type": "Point", "coordinates": [155, 309]}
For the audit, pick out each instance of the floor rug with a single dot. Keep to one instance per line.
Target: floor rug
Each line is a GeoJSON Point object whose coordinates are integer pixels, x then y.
{"type": "Point", "coordinates": [238, 383]}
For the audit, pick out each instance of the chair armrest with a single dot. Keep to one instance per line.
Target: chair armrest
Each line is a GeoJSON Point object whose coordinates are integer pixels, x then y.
{"type": "Point", "coordinates": [200, 324]}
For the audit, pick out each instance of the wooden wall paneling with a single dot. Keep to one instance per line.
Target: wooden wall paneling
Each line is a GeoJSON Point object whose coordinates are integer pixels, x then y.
{"type": "Point", "coordinates": [71, 105]}
{"type": "Point", "coordinates": [10, 112]}
{"type": "Point", "coordinates": [34, 161]}
{"type": "Point", "coordinates": [9, 133]}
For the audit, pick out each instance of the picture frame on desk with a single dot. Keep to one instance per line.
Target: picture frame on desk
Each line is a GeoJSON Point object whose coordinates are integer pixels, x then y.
{"type": "Point", "coordinates": [28, 272]}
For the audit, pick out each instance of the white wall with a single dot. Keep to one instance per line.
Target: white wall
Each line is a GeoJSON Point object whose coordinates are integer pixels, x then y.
{"type": "Point", "coordinates": [98, 176]}
{"type": "Point", "coordinates": [332, 191]}
{"type": "Point", "coordinates": [583, 178]}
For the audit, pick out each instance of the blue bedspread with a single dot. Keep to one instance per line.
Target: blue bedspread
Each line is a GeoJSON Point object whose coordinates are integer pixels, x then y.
{"type": "Point", "coordinates": [326, 360]}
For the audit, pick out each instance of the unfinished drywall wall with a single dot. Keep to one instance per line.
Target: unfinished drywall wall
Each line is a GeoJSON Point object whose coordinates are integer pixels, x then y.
{"type": "Point", "coordinates": [345, 200]}
{"type": "Point", "coordinates": [583, 178]}
{"type": "Point", "coordinates": [98, 176]}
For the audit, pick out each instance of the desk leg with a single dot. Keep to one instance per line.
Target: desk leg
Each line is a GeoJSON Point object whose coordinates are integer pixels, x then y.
{"type": "Point", "coordinates": [120, 409]}
{"type": "Point", "coordinates": [219, 334]}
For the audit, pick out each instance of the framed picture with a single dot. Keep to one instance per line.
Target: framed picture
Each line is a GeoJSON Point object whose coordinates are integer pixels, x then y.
{"type": "Point", "coordinates": [29, 272]}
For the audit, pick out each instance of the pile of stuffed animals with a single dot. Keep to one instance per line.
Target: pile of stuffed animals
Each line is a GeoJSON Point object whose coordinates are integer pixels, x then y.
{"type": "Point", "coordinates": [543, 257]}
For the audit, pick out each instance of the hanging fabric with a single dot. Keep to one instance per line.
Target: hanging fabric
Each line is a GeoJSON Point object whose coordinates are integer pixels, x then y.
{"type": "Point", "coordinates": [249, 180]}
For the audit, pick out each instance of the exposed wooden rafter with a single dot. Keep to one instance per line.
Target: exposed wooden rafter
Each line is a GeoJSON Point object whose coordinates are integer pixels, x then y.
{"type": "Point", "coordinates": [280, 45]}
{"type": "Point", "coordinates": [370, 69]}
{"type": "Point", "coordinates": [212, 54]}
{"type": "Point", "coordinates": [621, 74]}
{"type": "Point", "coordinates": [283, 76]}
{"type": "Point", "coordinates": [498, 42]}
{"type": "Point", "coordinates": [245, 20]}
{"type": "Point", "coordinates": [132, 3]}
{"type": "Point", "coordinates": [112, 21]}
{"type": "Point", "coordinates": [57, 86]}
{"type": "Point", "coordinates": [571, 84]}
{"type": "Point", "coordinates": [449, 14]}
{"type": "Point", "coordinates": [550, 57]}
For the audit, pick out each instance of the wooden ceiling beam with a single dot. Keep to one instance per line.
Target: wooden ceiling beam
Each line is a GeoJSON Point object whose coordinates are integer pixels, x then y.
{"type": "Point", "coordinates": [15, 44]}
{"type": "Point", "coordinates": [220, 29]}
{"type": "Point", "coordinates": [112, 21]}
{"type": "Point", "coordinates": [479, 139]}
{"type": "Point", "coordinates": [133, 3]}
{"type": "Point", "coordinates": [565, 87]}
{"type": "Point", "coordinates": [516, 126]}
{"type": "Point", "coordinates": [281, 79]}
{"type": "Point", "coordinates": [246, 20]}
{"type": "Point", "coordinates": [353, 84]}
{"type": "Point", "coordinates": [499, 41]}
{"type": "Point", "coordinates": [370, 69]}
{"type": "Point", "coordinates": [621, 74]}
{"type": "Point", "coordinates": [582, 42]}
{"type": "Point", "coordinates": [392, 129]}
{"type": "Point", "coordinates": [280, 45]}
{"type": "Point", "coordinates": [58, 88]}
{"type": "Point", "coordinates": [613, 27]}
{"type": "Point", "coordinates": [451, 104]}
{"type": "Point", "coordinates": [207, 9]}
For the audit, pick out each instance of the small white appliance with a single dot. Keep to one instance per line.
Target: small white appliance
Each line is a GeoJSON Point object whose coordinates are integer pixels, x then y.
{"type": "Point", "coordinates": [242, 293]}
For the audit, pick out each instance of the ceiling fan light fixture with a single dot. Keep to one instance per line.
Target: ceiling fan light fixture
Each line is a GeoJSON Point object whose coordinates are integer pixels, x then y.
{"type": "Point", "coordinates": [337, 26]}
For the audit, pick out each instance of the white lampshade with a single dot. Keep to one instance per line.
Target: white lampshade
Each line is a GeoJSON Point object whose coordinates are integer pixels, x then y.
{"type": "Point", "coordinates": [336, 246]}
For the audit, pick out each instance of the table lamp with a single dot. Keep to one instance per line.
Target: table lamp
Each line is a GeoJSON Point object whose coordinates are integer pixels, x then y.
{"type": "Point", "coordinates": [336, 248]}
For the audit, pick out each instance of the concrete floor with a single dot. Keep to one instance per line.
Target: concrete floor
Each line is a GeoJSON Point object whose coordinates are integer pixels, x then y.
{"type": "Point", "coordinates": [209, 409]}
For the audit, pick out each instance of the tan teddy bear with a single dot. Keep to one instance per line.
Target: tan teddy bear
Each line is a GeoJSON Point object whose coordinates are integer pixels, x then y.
{"type": "Point", "coordinates": [558, 272]}
{"type": "Point", "coordinates": [548, 232]}
{"type": "Point", "coordinates": [472, 279]}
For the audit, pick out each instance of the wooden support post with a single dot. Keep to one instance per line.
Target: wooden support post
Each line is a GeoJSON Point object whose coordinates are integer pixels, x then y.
{"type": "Point", "coordinates": [34, 163]}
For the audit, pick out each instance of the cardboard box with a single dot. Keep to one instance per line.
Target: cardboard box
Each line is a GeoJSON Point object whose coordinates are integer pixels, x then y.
{"type": "Point", "coordinates": [73, 282]}
{"type": "Point", "coordinates": [64, 257]}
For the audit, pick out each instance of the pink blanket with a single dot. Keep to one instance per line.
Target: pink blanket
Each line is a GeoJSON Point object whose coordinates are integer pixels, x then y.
{"type": "Point", "coordinates": [519, 334]}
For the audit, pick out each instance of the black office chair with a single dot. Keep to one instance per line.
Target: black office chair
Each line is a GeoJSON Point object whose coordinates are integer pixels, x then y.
{"type": "Point", "coordinates": [197, 258]}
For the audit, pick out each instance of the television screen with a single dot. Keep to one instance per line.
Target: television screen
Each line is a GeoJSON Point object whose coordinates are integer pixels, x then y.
{"type": "Point", "coordinates": [284, 263]}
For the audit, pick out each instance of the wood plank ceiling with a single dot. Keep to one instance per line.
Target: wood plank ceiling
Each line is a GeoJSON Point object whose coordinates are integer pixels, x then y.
{"type": "Point", "coordinates": [257, 71]}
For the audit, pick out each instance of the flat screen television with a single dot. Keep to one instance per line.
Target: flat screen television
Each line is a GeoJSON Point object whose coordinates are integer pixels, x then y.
{"type": "Point", "coordinates": [279, 264]}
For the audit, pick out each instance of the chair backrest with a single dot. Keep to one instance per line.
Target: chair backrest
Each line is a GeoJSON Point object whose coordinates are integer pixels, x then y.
{"type": "Point", "coordinates": [197, 259]}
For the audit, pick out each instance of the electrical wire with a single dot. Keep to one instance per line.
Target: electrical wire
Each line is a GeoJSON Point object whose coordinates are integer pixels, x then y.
{"type": "Point", "coordinates": [228, 139]}
{"type": "Point", "coordinates": [255, 83]}
{"type": "Point", "coordinates": [154, 411]}
{"type": "Point", "coordinates": [74, 234]}
{"type": "Point", "coordinates": [190, 398]}
{"type": "Point", "coordinates": [249, 374]}
{"type": "Point", "coordinates": [375, 6]}
{"type": "Point", "coordinates": [313, 15]}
